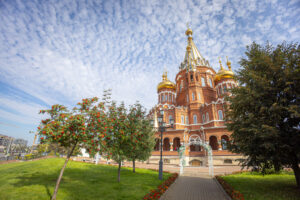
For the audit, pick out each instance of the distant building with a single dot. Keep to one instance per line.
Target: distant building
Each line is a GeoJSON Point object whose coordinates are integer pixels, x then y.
{"type": "Point", "coordinates": [196, 104]}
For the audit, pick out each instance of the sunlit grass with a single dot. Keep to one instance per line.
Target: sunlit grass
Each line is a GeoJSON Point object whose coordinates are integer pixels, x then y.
{"type": "Point", "coordinates": [255, 186]}
{"type": "Point", "coordinates": [36, 180]}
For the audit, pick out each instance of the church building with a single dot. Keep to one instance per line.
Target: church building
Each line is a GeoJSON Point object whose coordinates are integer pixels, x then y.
{"type": "Point", "coordinates": [195, 102]}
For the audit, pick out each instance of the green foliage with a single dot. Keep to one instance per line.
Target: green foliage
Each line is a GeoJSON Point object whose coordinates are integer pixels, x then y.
{"type": "Point", "coordinates": [35, 181]}
{"type": "Point", "coordinates": [140, 130]}
{"type": "Point", "coordinates": [264, 112]}
{"type": "Point", "coordinates": [115, 142]}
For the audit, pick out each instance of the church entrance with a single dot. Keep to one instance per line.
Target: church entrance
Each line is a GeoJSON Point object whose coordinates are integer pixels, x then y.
{"type": "Point", "coordinates": [196, 140]}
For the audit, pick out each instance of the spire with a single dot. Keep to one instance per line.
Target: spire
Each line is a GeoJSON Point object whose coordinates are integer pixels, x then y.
{"type": "Point", "coordinates": [165, 76]}
{"type": "Point", "coordinates": [228, 63]}
{"type": "Point", "coordinates": [192, 57]}
{"type": "Point", "coordinates": [221, 66]}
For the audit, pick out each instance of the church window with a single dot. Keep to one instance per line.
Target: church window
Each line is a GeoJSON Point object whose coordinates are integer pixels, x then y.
{"type": "Point", "coordinates": [170, 97]}
{"type": "Point", "coordinates": [195, 119]}
{"type": "Point", "coordinates": [225, 88]}
{"type": "Point", "coordinates": [192, 78]}
{"type": "Point", "coordinates": [166, 97]}
{"type": "Point", "coordinates": [162, 97]}
{"type": "Point", "coordinates": [224, 142]}
{"type": "Point", "coordinates": [210, 83]}
{"type": "Point", "coordinates": [182, 119]}
{"type": "Point", "coordinates": [199, 95]}
{"type": "Point", "coordinates": [186, 119]}
{"type": "Point", "coordinates": [220, 115]}
{"type": "Point", "coordinates": [170, 118]}
{"type": "Point", "coordinates": [203, 82]}
{"type": "Point", "coordinates": [181, 85]}
{"type": "Point", "coordinates": [207, 117]}
{"type": "Point", "coordinates": [203, 118]}
{"type": "Point", "coordinates": [193, 96]}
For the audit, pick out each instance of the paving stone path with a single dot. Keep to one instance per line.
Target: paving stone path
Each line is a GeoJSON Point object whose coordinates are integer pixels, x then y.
{"type": "Point", "coordinates": [195, 187]}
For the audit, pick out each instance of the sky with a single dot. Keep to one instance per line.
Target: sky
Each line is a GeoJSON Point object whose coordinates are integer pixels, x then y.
{"type": "Point", "coordinates": [59, 51]}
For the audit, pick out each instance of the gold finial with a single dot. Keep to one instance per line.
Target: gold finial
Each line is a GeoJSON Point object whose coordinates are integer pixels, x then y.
{"type": "Point", "coordinates": [221, 66]}
{"type": "Point", "coordinates": [165, 76]}
{"type": "Point", "coordinates": [228, 63]}
{"type": "Point", "coordinates": [189, 31]}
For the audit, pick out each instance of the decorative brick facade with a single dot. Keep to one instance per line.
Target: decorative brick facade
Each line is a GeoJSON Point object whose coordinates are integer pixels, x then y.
{"type": "Point", "coordinates": [196, 103]}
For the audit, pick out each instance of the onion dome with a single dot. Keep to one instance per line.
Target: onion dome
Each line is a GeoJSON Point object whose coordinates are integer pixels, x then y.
{"type": "Point", "coordinates": [166, 83]}
{"type": "Point", "coordinates": [223, 73]}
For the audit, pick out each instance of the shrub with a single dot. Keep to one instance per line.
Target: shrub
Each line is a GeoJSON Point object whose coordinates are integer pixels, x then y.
{"type": "Point", "coordinates": [157, 193]}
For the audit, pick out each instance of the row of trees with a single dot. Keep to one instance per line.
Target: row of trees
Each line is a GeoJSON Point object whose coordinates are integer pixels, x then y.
{"type": "Point", "coordinates": [102, 127]}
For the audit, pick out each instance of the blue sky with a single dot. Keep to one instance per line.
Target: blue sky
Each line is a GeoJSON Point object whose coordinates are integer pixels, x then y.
{"type": "Point", "coordinates": [62, 51]}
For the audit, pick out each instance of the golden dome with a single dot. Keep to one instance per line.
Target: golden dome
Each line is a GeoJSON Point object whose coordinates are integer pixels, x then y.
{"type": "Point", "coordinates": [222, 73]}
{"type": "Point", "coordinates": [166, 83]}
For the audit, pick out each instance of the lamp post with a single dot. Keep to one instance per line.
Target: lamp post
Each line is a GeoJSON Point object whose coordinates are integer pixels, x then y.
{"type": "Point", "coordinates": [162, 128]}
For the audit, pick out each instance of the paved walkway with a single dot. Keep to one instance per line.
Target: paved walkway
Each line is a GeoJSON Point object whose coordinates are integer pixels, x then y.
{"type": "Point", "coordinates": [195, 187]}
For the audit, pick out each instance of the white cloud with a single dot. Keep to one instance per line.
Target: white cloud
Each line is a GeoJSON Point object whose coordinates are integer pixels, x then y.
{"type": "Point", "coordinates": [64, 51]}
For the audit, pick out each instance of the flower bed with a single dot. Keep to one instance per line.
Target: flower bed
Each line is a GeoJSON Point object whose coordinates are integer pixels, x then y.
{"type": "Point", "coordinates": [157, 193]}
{"type": "Point", "coordinates": [234, 194]}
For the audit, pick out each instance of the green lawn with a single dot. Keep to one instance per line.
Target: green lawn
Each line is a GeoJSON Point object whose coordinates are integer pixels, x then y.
{"type": "Point", "coordinates": [255, 186]}
{"type": "Point", "coordinates": [36, 180]}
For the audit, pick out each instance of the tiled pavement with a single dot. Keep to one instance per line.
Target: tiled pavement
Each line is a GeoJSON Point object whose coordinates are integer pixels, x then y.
{"type": "Point", "coordinates": [192, 187]}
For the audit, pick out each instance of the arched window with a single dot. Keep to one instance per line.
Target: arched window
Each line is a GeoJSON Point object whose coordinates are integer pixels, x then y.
{"type": "Point", "coordinates": [213, 142]}
{"type": "Point", "coordinates": [203, 118]}
{"type": "Point", "coordinates": [207, 117]}
{"type": "Point", "coordinates": [162, 97]}
{"type": "Point", "coordinates": [176, 144]}
{"type": "Point", "coordinates": [186, 119]}
{"type": "Point", "coordinates": [170, 118]}
{"type": "Point", "coordinates": [202, 81]}
{"type": "Point", "coordinates": [193, 96]}
{"type": "Point", "coordinates": [195, 119]}
{"type": "Point", "coordinates": [199, 96]}
{"type": "Point", "coordinates": [156, 147]}
{"type": "Point", "coordinates": [210, 83]}
{"type": "Point", "coordinates": [224, 142]}
{"type": "Point", "coordinates": [166, 97]}
{"type": "Point", "coordinates": [182, 119]}
{"type": "Point", "coordinates": [187, 98]}
{"type": "Point", "coordinates": [181, 85]}
{"type": "Point", "coordinates": [225, 88]}
{"type": "Point", "coordinates": [170, 97]}
{"type": "Point", "coordinates": [166, 146]}
{"type": "Point", "coordinates": [220, 113]}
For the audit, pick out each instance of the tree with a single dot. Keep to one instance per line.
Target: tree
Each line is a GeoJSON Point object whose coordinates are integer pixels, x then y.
{"type": "Point", "coordinates": [70, 129]}
{"type": "Point", "coordinates": [116, 139]}
{"type": "Point", "coordinates": [264, 111]}
{"type": "Point", "coordinates": [141, 140]}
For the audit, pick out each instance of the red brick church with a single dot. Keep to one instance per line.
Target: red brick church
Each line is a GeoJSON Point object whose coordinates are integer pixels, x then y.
{"type": "Point", "coordinates": [196, 104]}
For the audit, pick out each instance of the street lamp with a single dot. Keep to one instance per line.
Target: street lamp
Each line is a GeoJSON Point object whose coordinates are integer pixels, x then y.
{"type": "Point", "coordinates": [162, 128]}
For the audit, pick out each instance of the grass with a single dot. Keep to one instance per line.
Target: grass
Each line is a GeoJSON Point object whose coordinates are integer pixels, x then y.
{"type": "Point", "coordinates": [36, 180]}
{"type": "Point", "coordinates": [255, 186]}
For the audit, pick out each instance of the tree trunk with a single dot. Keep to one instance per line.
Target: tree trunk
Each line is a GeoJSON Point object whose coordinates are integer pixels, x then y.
{"type": "Point", "coordinates": [119, 171]}
{"type": "Point", "coordinates": [133, 165]}
{"type": "Point", "coordinates": [296, 170]}
{"type": "Point", "coordinates": [62, 172]}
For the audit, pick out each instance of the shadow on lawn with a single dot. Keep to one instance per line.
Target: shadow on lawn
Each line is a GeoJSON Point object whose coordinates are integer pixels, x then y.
{"type": "Point", "coordinates": [77, 181]}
